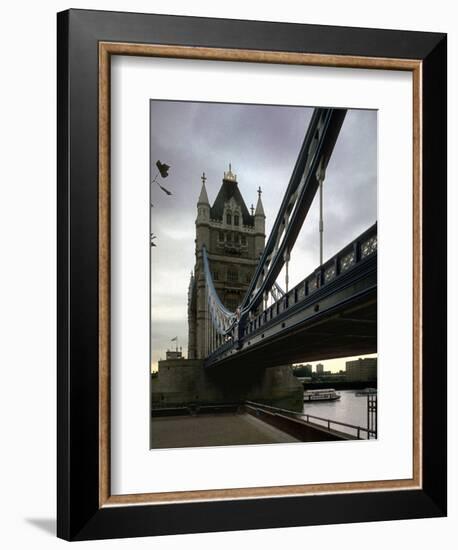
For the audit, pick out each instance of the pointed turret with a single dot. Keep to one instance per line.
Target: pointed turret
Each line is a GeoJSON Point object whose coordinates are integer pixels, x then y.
{"type": "Point", "coordinates": [203, 217]}
{"type": "Point", "coordinates": [259, 225]}
{"type": "Point", "coordinates": [259, 207]}
{"type": "Point", "coordinates": [203, 197]}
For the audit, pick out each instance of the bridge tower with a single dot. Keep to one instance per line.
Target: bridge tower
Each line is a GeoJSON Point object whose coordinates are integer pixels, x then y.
{"type": "Point", "coordinates": [234, 238]}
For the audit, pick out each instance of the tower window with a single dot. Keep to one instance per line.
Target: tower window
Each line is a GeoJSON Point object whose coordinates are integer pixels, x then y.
{"type": "Point", "coordinates": [228, 219]}
{"type": "Point", "coordinates": [236, 219]}
{"type": "Point", "coordinates": [232, 275]}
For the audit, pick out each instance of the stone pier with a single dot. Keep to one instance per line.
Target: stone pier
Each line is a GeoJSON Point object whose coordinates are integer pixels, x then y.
{"type": "Point", "coordinates": [185, 381]}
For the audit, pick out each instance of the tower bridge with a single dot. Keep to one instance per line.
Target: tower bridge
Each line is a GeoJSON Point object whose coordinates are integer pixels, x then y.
{"type": "Point", "coordinates": [244, 329]}
{"type": "Point", "coordinates": [331, 313]}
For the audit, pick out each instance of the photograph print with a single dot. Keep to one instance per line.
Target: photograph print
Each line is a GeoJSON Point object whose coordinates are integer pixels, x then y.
{"type": "Point", "coordinates": [263, 274]}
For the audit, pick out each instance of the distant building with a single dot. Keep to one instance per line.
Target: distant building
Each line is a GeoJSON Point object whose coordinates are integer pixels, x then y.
{"type": "Point", "coordinates": [362, 370]}
{"type": "Point", "coordinates": [302, 370]}
{"type": "Point", "coordinates": [319, 368]}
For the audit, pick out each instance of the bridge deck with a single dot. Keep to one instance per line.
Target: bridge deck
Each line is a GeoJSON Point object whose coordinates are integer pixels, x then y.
{"type": "Point", "coordinates": [330, 314]}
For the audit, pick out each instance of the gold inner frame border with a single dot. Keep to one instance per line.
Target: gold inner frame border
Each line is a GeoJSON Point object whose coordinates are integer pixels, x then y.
{"type": "Point", "coordinates": [106, 50]}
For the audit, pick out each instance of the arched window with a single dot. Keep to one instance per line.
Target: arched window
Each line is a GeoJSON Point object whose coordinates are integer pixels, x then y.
{"type": "Point", "coordinates": [236, 219]}
{"type": "Point", "coordinates": [228, 218]}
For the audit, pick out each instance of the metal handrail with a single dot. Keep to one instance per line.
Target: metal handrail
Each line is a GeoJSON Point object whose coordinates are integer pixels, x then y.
{"type": "Point", "coordinates": [358, 429]}
{"type": "Point", "coordinates": [338, 422]}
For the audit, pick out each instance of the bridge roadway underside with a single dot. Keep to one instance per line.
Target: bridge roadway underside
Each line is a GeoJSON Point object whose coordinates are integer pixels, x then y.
{"type": "Point", "coordinates": [348, 330]}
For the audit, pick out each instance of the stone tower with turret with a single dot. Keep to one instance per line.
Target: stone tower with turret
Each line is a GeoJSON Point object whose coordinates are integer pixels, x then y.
{"type": "Point", "coordinates": [234, 238]}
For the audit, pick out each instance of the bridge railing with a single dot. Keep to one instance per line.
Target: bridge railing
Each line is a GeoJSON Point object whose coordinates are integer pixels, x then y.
{"type": "Point", "coordinates": [356, 252]}
{"type": "Point", "coordinates": [360, 432]}
{"type": "Point", "coordinates": [329, 424]}
{"type": "Point", "coordinates": [222, 348]}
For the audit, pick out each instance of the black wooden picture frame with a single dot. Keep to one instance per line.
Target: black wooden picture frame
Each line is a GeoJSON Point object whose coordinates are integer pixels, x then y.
{"type": "Point", "coordinates": [81, 514]}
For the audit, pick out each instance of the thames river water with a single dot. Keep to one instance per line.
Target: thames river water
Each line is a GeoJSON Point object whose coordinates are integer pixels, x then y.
{"type": "Point", "coordinates": [350, 409]}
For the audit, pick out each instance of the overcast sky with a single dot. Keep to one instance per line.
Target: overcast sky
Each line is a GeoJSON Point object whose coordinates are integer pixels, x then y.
{"type": "Point", "coordinates": [262, 144]}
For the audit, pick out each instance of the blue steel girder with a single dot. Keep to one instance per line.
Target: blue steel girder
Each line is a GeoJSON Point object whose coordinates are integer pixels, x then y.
{"type": "Point", "coordinates": [346, 282]}
{"type": "Point", "coordinates": [313, 158]}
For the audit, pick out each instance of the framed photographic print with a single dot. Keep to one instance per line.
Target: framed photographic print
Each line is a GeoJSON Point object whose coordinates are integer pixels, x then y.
{"type": "Point", "coordinates": [252, 274]}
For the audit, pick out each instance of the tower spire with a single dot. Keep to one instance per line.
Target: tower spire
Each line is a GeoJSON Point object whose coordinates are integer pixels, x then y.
{"type": "Point", "coordinates": [203, 197]}
{"type": "Point", "coordinates": [259, 205]}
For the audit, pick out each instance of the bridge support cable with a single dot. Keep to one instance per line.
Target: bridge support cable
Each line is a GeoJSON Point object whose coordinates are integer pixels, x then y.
{"type": "Point", "coordinates": [287, 257]}
{"type": "Point", "coordinates": [219, 320]}
{"type": "Point", "coordinates": [320, 177]}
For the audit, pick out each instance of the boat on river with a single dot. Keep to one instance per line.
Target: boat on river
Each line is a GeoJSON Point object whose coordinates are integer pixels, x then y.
{"type": "Point", "coordinates": [314, 396]}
